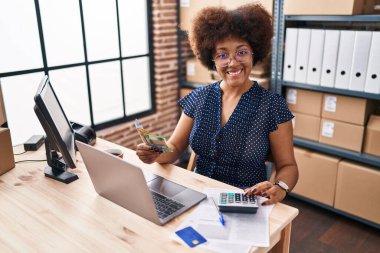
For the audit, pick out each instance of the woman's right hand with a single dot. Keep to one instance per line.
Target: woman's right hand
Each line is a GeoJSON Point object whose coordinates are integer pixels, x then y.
{"type": "Point", "coordinates": [147, 154]}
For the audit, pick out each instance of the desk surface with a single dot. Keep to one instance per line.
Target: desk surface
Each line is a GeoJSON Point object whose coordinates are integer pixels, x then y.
{"type": "Point", "coordinates": [38, 214]}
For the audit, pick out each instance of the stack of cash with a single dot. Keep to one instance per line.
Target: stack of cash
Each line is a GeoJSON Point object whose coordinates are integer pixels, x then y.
{"type": "Point", "coordinates": [153, 140]}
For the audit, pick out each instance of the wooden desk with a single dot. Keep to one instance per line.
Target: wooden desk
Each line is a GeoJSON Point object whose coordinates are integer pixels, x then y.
{"type": "Point", "coordinates": [38, 214]}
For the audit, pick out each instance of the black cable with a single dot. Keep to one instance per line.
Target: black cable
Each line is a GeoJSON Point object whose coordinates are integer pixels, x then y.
{"type": "Point", "coordinates": [30, 161]}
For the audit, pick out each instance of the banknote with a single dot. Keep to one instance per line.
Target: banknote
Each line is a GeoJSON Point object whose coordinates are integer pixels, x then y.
{"type": "Point", "coordinates": [151, 139]}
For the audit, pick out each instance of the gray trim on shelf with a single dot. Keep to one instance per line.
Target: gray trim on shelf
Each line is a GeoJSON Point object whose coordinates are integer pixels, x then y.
{"type": "Point", "coordinates": [351, 93]}
{"type": "Point", "coordinates": [367, 159]}
{"type": "Point", "coordinates": [334, 18]}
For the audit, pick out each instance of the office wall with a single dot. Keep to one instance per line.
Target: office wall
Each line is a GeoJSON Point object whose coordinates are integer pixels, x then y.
{"type": "Point", "coordinates": [166, 79]}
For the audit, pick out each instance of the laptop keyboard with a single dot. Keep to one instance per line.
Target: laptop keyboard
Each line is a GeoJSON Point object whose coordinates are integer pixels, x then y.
{"type": "Point", "coordinates": [164, 205]}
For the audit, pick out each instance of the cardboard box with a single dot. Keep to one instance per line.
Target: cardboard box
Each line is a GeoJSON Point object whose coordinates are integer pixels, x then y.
{"type": "Point", "coordinates": [341, 134]}
{"type": "Point", "coordinates": [215, 76]}
{"type": "Point", "coordinates": [184, 91]}
{"type": "Point", "coordinates": [3, 117]}
{"type": "Point", "coordinates": [196, 72]}
{"type": "Point", "coordinates": [263, 82]}
{"type": "Point", "coordinates": [317, 176]}
{"type": "Point", "coordinates": [7, 160]}
{"type": "Point", "coordinates": [306, 126]}
{"type": "Point", "coordinates": [304, 101]}
{"type": "Point", "coordinates": [358, 191]}
{"type": "Point", "coordinates": [372, 136]}
{"type": "Point", "coordinates": [347, 109]}
{"type": "Point", "coordinates": [328, 7]}
{"type": "Point", "coordinates": [189, 9]}
{"type": "Point", "coordinates": [263, 68]}
{"type": "Point", "coordinates": [233, 4]}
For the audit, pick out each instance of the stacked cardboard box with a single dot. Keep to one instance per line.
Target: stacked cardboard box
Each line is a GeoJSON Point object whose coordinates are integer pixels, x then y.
{"type": "Point", "coordinates": [306, 107]}
{"type": "Point", "coordinates": [358, 191]}
{"type": "Point", "coordinates": [332, 119]}
{"type": "Point", "coordinates": [233, 4]}
{"type": "Point", "coordinates": [328, 7]}
{"type": "Point", "coordinates": [3, 117]}
{"type": "Point", "coordinates": [372, 136]}
{"type": "Point", "coordinates": [261, 72]}
{"type": "Point", "coordinates": [184, 91]}
{"type": "Point", "coordinates": [7, 160]}
{"type": "Point", "coordinates": [343, 121]}
{"type": "Point", "coordinates": [196, 72]}
{"type": "Point", "coordinates": [189, 8]}
{"type": "Point", "coordinates": [317, 176]}
{"type": "Point", "coordinates": [347, 186]}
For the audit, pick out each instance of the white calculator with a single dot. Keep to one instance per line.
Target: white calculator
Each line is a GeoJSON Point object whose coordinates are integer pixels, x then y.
{"type": "Point", "coordinates": [237, 203]}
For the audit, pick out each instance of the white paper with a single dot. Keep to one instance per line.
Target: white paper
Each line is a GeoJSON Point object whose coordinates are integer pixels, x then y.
{"type": "Point", "coordinates": [330, 103]}
{"type": "Point", "coordinates": [190, 69]}
{"type": "Point", "coordinates": [240, 232]}
{"type": "Point", "coordinates": [291, 96]}
{"type": "Point", "coordinates": [185, 3]}
{"type": "Point", "coordinates": [328, 129]}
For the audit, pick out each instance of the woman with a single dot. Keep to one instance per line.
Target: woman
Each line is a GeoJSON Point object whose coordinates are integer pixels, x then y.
{"type": "Point", "coordinates": [232, 125]}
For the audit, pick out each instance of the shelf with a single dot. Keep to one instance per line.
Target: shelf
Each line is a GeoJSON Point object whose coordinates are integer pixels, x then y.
{"type": "Point", "coordinates": [351, 22]}
{"type": "Point", "coordinates": [337, 18]}
{"type": "Point", "coordinates": [332, 90]}
{"type": "Point", "coordinates": [343, 153]}
{"type": "Point", "coordinates": [183, 33]}
{"type": "Point", "coordinates": [337, 211]}
{"type": "Point", "coordinates": [186, 84]}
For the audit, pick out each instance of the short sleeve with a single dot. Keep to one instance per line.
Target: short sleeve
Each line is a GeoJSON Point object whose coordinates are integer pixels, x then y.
{"type": "Point", "coordinates": [280, 112]}
{"type": "Point", "coordinates": [188, 103]}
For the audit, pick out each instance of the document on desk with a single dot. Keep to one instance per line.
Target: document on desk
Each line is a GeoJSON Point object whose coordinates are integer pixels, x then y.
{"type": "Point", "coordinates": [241, 230]}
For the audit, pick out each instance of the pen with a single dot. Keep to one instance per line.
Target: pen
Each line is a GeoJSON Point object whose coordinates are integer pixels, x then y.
{"type": "Point", "coordinates": [221, 219]}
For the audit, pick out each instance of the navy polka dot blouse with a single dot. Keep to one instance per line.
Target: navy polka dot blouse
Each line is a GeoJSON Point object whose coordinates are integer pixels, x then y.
{"type": "Point", "coordinates": [236, 153]}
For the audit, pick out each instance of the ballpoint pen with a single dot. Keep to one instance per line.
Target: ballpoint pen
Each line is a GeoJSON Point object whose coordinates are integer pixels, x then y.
{"type": "Point", "coordinates": [221, 219]}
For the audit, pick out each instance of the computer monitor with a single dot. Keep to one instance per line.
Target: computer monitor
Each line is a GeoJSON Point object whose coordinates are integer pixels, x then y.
{"type": "Point", "coordinates": [59, 133]}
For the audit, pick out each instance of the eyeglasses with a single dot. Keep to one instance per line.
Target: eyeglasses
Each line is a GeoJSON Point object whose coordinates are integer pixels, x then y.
{"type": "Point", "coordinates": [223, 59]}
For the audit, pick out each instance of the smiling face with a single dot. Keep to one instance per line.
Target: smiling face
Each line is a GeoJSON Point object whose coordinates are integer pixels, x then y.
{"type": "Point", "coordinates": [235, 74]}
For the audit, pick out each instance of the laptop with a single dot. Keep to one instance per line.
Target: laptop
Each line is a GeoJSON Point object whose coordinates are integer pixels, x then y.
{"type": "Point", "coordinates": [145, 194]}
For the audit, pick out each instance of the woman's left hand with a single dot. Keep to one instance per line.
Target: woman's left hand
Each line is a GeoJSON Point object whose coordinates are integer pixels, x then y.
{"type": "Point", "coordinates": [266, 189]}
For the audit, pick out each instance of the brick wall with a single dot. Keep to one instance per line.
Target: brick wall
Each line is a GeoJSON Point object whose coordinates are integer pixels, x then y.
{"type": "Point", "coordinates": [166, 90]}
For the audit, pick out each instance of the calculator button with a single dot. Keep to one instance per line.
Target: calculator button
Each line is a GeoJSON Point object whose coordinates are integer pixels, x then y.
{"type": "Point", "coordinates": [237, 197]}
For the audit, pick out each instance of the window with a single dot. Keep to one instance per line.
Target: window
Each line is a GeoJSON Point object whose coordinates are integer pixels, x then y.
{"type": "Point", "coordinates": [97, 54]}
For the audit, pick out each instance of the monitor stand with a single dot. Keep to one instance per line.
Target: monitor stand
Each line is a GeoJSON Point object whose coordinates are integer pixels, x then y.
{"type": "Point", "coordinates": [56, 168]}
